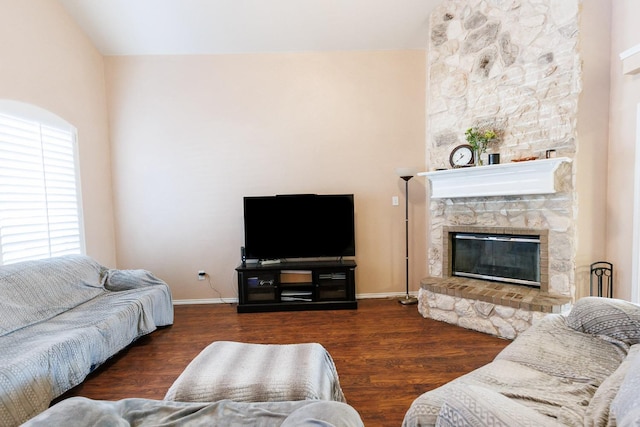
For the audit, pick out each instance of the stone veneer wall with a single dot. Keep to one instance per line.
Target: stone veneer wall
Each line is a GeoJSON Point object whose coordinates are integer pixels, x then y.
{"type": "Point", "coordinates": [512, 65]}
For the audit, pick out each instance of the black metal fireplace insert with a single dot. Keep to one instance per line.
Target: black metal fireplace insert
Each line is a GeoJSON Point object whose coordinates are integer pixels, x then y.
{"type": "Point", "coordinates": [507, 258]}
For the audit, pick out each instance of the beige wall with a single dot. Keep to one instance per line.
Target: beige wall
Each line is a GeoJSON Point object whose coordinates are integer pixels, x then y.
{"type": "Point", "coordinates": [48, 62]}
{"type": "Point", "coordinates": [192, 135]}
{"type": "Point", "coordinates": [625, 97]}
{"type": "Point", "coordinates": [592, 130]}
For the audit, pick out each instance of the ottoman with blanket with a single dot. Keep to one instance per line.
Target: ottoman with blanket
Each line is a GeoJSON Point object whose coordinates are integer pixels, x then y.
{"type": "Point", "coordinates": [246, 372]}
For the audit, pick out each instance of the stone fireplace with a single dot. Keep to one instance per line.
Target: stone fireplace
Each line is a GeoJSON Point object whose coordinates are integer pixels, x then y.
{"type": "Point", "coordinates": [494, 207]}
{"type": "Point", "coordinates": [492, 304]}
{"type": "Point", "coordinates": [489, 304]}
{"type": "Point", "coordinates": [514, 67]}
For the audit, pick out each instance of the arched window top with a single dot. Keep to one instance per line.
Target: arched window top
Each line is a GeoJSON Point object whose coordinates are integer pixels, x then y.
{"type": "Point", "coordinates": [35, 113]}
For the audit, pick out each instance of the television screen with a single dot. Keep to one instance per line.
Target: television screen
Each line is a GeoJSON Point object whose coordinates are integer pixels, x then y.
{"type": "Point", "coordinates": [299, 226]}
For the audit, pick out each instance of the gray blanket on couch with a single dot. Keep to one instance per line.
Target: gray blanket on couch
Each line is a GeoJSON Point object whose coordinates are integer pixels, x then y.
{"type": "Point", "coordinates": [82, 412]}
{"type": "Point", "coordinates": [62, 317]}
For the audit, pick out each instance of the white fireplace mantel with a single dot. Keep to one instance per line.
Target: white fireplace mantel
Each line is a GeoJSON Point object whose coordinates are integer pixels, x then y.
{"type": "Point", "coordinates": [507, 179]}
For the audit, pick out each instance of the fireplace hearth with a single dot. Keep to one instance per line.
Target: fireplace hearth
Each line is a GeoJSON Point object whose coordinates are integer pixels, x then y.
{"type": "Point", "coordinates": [495, 280]}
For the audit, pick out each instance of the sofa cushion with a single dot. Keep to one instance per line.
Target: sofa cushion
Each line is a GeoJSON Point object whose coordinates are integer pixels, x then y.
{"type": "Point", "coordinates": [552, 347]}
{"type": "Point", "coordinates": [610, 318]}
{"type": "Point", "coordinates": [598, 412]}
{"type": "Point", "coordinates": [480, 406]}
{"type": "Point", "coordinates": [35, 291]}
{"type": "Point", "coordinates": [124, 280]}
{"type": "Point", "coordinates": [626, 405]}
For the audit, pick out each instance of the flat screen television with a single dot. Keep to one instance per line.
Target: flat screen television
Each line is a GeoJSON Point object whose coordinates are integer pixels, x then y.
{"type": "Point", "coordinates": [299, 226]}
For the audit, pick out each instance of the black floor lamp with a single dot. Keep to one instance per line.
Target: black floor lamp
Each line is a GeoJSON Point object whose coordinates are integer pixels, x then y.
{"type": "Point", "coordinates": [406, 174]}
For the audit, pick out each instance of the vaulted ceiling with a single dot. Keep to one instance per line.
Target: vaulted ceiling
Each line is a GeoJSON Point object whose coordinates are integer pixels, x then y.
{"type": "Point", "coordinates": [175, 27]}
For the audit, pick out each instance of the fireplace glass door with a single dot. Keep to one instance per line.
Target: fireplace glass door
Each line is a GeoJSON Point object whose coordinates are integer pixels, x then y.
{"type": "Point", "coordinates": [497, 257]}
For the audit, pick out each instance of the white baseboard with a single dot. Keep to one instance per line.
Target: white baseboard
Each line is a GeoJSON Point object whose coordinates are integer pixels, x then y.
{"type": "Point", "coordinates": [205, 301]}
{"type": "Point", "coordinates": [385, 295]}
{"type": "Point", "coordinates": [235, 300]}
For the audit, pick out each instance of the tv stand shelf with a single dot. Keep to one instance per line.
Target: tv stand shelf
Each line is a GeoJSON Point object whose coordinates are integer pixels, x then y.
{"type": "Point", "coordinates": [297, 285]}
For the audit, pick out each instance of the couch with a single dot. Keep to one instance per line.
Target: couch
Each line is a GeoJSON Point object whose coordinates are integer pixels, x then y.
{"type": "Point", "coordinates": [82, 412]}
{"type": "Point", "coordinates": [62, 317]}
{"type": "Point", "coordinates": [579, 369]}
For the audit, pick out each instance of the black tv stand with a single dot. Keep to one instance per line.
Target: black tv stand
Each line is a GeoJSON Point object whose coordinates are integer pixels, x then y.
{"type": "Point", "coordinates": [296, 285]}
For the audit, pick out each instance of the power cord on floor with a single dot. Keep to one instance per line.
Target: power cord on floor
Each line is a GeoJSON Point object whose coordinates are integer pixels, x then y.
{"type": "Point", "coordinates": [216, 291]}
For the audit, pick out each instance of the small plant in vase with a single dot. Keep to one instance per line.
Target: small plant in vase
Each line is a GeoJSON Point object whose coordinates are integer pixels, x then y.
{"type": "Point", "coordinates": [478, 139]}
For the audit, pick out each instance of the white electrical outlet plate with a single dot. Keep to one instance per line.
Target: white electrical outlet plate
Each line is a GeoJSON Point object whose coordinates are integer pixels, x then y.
{"type": "Point", "coordinates": [201, 274]}
{"type": "Point", "coordinates": [395, 201]}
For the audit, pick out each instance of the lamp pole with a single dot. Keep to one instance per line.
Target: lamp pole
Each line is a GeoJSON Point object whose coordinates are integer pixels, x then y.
{"type": "Point", "coordinates": [407, 300]}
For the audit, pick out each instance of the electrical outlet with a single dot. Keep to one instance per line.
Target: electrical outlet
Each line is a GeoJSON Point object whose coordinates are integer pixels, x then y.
{"type": "Point", "coordinates": [201, 274]}
{"type": "Point", "coordinates": [395, 201]}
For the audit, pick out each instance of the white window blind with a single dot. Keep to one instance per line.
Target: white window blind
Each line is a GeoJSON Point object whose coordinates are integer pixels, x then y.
{"type": "Point", "coordinates": [40, 213]}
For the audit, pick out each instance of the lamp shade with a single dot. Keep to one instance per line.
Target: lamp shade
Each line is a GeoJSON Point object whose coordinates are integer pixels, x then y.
{"type": "Point", "coordinates": [406, 171]}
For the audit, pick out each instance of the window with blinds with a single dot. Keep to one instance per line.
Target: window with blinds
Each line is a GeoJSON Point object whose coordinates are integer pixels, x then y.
{"type": "Point", "coordinates": [40, 215]}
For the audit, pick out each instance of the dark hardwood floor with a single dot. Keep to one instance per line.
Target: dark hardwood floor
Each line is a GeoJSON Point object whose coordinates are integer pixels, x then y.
{"type": "Point", "coordinates": [386, 354]}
